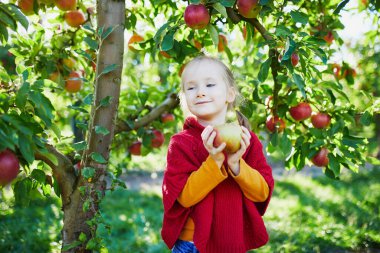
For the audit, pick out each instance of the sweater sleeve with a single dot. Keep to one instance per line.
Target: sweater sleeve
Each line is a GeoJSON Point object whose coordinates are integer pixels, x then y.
{"type": "Point", "coordinates": [255, 158]}
{"type": "Point", "coordinates": [201, 182]}
{"type": "Point", "coordinates": [251, 182]}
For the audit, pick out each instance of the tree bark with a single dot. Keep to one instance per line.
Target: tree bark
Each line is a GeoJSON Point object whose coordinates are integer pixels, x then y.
{"type": "Point", "coordinates": [110, 14]}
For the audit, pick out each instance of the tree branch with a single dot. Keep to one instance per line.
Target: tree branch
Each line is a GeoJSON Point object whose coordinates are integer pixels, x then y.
{"type": "Point", "coordinates": [170, 102]}
{"type": "Point", "coordinates": [63, 170]}
{"type": "Point", "coordinates": [273, 53]}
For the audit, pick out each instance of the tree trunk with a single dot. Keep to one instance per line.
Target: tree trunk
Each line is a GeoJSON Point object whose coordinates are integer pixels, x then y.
{"type": "Point", "coordinates": [111, 14]}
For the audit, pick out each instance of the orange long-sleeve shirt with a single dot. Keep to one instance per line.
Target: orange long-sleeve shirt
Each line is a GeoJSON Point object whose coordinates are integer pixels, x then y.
{"type": "Point", "coordinates": [208, 176]}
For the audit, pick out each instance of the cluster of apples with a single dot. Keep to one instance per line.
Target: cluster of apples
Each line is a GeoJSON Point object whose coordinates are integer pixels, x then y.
{"type": "Point", "coordinates": [73, 81]}
{"type": "Point", "coordinates": [197, 16]}
{"type": "Point", "coordinates": [344, 71]}
{"type": "Point", "coordinates": [158, 137]}
{"type": "Point", "coordinates": [9, 166]}
{"type": "Point", "coordinates": [72, 16]}
{"type": "Point", "coordinates": [321, 31]}
{"type": "Point", "coordinates": [300, 112]}
{"type": "Point", "coordinates": [294, 58]}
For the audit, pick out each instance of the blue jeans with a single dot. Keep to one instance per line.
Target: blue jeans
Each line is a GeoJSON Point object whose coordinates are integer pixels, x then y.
{"type": "Point", "coordinates": [184, 247]}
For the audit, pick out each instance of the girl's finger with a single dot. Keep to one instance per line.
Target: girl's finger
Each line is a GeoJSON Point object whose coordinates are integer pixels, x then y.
{"type": "Point", "coordinates": [246, 139]}
{"type": "Point", "coordinates": [210, 140]}
{"type": "Point", "coordinates": [246, 132]}
{"type": "Point", "coordinates": [206, 133]}
{"type": "Point", "coordinates": [220, 148]}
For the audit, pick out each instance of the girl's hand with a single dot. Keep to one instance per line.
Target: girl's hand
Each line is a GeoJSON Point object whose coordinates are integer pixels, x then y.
{"type": "Point", "coordinates": [234, 159]}
{"type": "Point", "coordinates": [208, 136]}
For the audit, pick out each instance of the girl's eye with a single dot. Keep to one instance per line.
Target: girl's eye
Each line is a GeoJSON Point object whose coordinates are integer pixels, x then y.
{"type": "Point", "coordinates": [190, 88]}
{"type": "Point", "coordinates": [210, 85]}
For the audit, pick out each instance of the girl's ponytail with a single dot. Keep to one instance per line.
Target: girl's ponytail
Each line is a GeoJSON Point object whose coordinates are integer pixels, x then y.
{"type": "Point", "coordinates": [243, 121]}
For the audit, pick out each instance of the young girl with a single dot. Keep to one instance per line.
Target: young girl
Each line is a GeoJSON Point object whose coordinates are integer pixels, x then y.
{"type": "Point", "coordinates": [213, 201]}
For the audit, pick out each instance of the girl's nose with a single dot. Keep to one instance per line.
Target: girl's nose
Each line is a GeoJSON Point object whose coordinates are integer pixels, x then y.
{"type": "Point", "coordinates": [200, 92]}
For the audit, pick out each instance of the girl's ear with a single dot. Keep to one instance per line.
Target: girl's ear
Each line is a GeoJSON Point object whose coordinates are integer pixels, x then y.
{"type": "Point", "coordinates": [231, 95]}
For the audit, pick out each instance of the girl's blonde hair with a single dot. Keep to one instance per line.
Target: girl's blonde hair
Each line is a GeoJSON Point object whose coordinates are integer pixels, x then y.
{"type": "Point", "coordinates": [227, 75]}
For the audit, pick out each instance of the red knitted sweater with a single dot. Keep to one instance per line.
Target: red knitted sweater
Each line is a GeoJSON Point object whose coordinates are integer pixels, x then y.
{"type": "Point", "coordinates": [225, 220]}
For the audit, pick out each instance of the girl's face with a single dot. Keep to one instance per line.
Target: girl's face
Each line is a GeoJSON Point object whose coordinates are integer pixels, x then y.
{"type": "Point", "coordinates": [207, 93]}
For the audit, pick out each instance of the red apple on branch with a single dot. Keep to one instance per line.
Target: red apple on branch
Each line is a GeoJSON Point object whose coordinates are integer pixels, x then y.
{"type": "Point", "coordinates": [230, 134]}
{"type": "Point", "coordinates": [167, 117]}
{"type": "Point", "coordinates": [74, 82]}
{"type": "Point", "coordinates": [336, 68]}
{"type": "Point", "coordinates": [274, 122]}
{"type": "Point", "coordinates": [295, 59]}
{"type": "Point", "coordinates": [222, 42]}
{"type": "Point", "coordinates": [66, 5]}
{"type": "Point", "coordinates": [158, 139]}
{"type": "Point", "coordinates": [135, 148]}
{"type": "Point", "coordinates": [9, 166]}
{"type": "Point", "coordinates": [301, 111]}
{"type": "Point", "coordinates": [320, 120]}
{"type": "Point", "coordinates": [321, 159]}
{"type": "Point", "coordinates": [196, 16]}
{"type": "Point", "coordinates": [248, 8]}
{"type": "Point", "coordinates": [26, 6]}
{"type": "Point", "coordinates": [329, 37]}
{"type": "Point", "coordinates": [75, 18]}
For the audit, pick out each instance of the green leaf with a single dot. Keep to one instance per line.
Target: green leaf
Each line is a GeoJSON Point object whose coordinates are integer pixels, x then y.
{"type": "Point", "coordinates": [93, 44]}
{"type": "Point", "coordinates": [25, 144]}
{"type": "Point", "coordinates": [77, 108]}
{"type": "Point", "coordinates": [51, 157]}
{"type": "Point", "coordinates": [285, 145]}
{"type": "Point", "coordinates": [221, 9]}
{"type": "Point", "coordinates": [21, 95]}
{"type": "Point", "coordinates": [98, 158]}
{"type": "Point", "coordinates": [107, 32]}
{"type": "Point", "coordinates": [298, 80]}
{"type": "Point", "coordinates": [71, 245]}
{"type": "Point", "coordinates": [82, 237]}
{"type": "Point", "coordinates": [321, 54]}
{"type": "Point", "coordinates": [101, 130]}
{"type": "Point", "coordinates": [334, 164]}
{"type": "Point", "coordinates": [373, 160]}
{"type": "Point", "coordinates": [160, 33]}
{"type": "Point", "coordinates": [341, 5]}
{"type": "Point", "coordinates": [109, 69]}
{"type": "Point", "coordinates": [88, 99]}
{"type": "Point", "coordinates": [88, 172]}
{"type": "Point", "coordinates": [39, 175]}
{"type": "Point", "coordinates": [6, 19]}
{"type": "Point", "coordinates": [43, 107]}
{"type": "Point", "coordinates": [299, 17]}
{"type": "Point", "coordinates": [168, 41]}
{"type": "Point", "coordinates": [22, 191]}
{"type": "Point", "coordinates": [366, 119]}
{"type": "Point", "coordinates": [274, 139]}
{"type": "Point", "coordinates": [78, 146]}
{"type": "Point", "coordinates": [264, 70]}
{"type": "Point", "coordinates": [16, 14]}
{"type": "Point", "coordinates": [314, 41]}
{"type": "Point", "coordinates": [3, 33]}
{"type": "Point", "coordinates": [106, 101]}
{"type": "Point", "coordinates": [213, 33]}
{"type": "Point", "coordinates": [91, 244]}
{"type": "Point", "coordinates": [228, 3]}
{"type": "Point", "coordinates": [283, 31]}
{"type": "Point", "coordinates": [290, 46]}
{"type": "Point", "coordinates": [352, 141]}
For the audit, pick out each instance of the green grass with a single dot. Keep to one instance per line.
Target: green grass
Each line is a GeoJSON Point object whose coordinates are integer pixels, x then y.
{"type": "Point", "coordinates": [305, 215]}
{"type": "Point", "coordinates": [32, 229]}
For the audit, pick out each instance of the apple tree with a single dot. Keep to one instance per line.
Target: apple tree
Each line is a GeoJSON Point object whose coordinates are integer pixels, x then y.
{"type": "Point", "coordinates": [75, 105]}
